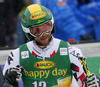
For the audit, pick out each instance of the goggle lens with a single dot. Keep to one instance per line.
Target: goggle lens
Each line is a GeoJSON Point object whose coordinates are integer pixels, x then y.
{"type": "Point", "coordinates": [38, 31]}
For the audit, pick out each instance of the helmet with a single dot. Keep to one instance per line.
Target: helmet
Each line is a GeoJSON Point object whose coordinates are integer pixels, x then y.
{"type": "Point", "coordinates": [35, 15]}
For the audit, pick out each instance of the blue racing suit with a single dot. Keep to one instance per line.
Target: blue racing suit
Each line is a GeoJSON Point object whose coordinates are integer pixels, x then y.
{"type": "Point", "coordinates": [88, 13]}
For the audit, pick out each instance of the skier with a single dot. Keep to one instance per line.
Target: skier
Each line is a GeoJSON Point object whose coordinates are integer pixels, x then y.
{"type": "Point", "coordinates": [48, 61]}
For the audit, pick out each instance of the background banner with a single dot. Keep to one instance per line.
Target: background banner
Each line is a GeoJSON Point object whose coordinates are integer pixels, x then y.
{"type": "Point", "coordinates": [93, 64]}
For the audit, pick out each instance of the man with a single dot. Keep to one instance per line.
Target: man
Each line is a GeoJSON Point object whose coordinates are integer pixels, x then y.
{"type": "Point", "coordinates": [49, 62]}
{"type": "Point", "coordinates": [9, 10]}
{"type": "Point", "coordinates": [10, 78]}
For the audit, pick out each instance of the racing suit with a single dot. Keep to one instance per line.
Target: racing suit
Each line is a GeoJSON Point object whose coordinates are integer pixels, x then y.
{"type": "Point", "coordinates": [87, 12]}
{"type": "Point", "coordinates": [48, 67]}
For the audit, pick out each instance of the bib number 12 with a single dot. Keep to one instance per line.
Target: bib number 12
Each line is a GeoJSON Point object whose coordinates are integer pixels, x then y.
{"type": "Point", "coordinates": [41, 84]}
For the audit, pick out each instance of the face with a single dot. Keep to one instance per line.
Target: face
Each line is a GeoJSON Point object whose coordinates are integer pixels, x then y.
{"type": "Point", "coordinates": [44, 39]}
{"type": "Point", "coordinates": [42, 34]}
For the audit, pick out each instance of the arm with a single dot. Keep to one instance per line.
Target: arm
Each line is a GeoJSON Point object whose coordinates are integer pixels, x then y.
{"type": "Point", "coordinates": [76, 66]}
{"type": "Point", "coordinates": [13, 60]}
{"type": "Point", "coordinates": [80, 69]}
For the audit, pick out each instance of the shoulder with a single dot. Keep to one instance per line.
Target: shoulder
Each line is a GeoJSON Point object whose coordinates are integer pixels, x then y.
{"type": "Point", "coordinates": [74, 51]}
{"type": "Point", "coordinates": [13, 59]}
{"type": "Point", "coordinates": [13, 56]}
{"type": "Point", "coordinates": [15, 51]}
{"type": "Point", "coordinates": [55, 40]}
{"type": "Point", "coordinates": [25, 44]}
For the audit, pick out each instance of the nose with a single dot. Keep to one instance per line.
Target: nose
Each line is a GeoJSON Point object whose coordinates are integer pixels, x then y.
{"type": "Point", "coordinates": [43, 34]}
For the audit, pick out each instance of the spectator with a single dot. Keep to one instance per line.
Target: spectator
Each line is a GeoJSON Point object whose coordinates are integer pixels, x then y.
{"type": "Point", "coordinates": [9, 10]}
{"type": "Point", "coordinates": [87, 13]}
{"type": "Point", "coordinates": [21, 37]}
{"type": "Point", "coordinates": [67, 27]}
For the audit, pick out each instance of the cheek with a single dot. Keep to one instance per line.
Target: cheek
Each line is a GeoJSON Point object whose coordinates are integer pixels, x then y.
{"type": "Point", "coordinates": [36, 38]}
{"type": "Point", "coordinates": [46, 35]}
{"type": "Point", "coordinates": [50, 35]}
{"type": "Point", "coordinates": [32, 32]}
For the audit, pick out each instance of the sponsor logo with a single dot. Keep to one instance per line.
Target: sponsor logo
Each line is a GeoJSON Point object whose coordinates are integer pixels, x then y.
{"type": "Point", "coordinates": [75, 54]}
{"type": "Point", "coordinates": [23, 20]}
{"type": "Point", "coordinates": [63, 51]}
{"type": "Point", "coordinates": [44, 64]}
{"type": "Point", "coordinates": [39, 21]}
{"type": "Point", "coordinates": [45, 73]}
{"type": "Point", "coordinates": [25, 54]}
{"type": "Point", "coordinates": [37, 15]}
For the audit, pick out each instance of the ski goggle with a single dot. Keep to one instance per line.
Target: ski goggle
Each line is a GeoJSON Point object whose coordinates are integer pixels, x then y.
{"type": "Point", "coordinates": [38, 31]}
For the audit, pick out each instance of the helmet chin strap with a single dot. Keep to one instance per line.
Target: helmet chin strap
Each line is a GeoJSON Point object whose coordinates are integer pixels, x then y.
{"type": "Point", "coordinates": [40, 43]}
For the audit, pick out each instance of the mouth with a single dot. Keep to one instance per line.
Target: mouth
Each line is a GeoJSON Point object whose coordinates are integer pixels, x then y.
{"type": "Point", "coordinates": [44, 38]}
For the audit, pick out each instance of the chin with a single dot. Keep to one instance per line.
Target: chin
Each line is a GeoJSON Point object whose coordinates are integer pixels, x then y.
{"type": "Point", "coordinates": [44, 44]}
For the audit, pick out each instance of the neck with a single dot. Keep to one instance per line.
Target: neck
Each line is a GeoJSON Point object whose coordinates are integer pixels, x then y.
{"type": "Point", "coordinates": [43, 46]}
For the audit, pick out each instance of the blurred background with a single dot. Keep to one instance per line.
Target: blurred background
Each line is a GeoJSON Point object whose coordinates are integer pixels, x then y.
{"type": "Point", "coordinates": [76, 21]}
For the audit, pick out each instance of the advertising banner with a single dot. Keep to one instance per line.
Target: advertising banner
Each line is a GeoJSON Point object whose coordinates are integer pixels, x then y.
{"type": "Point", "coordinates": [94, 65]}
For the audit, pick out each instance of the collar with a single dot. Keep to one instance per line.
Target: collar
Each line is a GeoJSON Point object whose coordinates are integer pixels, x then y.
{"type": "Point", "coordinates": [51, 48]}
